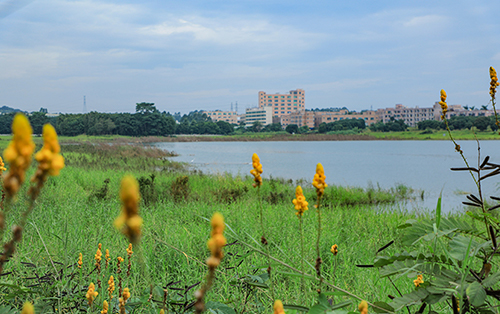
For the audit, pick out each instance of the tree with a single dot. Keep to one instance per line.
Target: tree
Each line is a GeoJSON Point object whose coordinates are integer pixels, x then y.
{"type": "Point", "coordinates": [484, 107]}
{"type": "Point", "coordinates": [145, 107]}
{"type": "Point", "coordinates": [303, 129]}
{"type": "Point", "coordinates": [37, 120]}
{"type": "Point", "coordinates": [322, 128]}
{"type": "Point", "coordinates": [292, 128]}
{"type": "Point", "coordinates": [273, 127]}
{"type": "Point", "coordinates": [482, 123]}
{"type": "Point", "coordinates": [225, 127]}
{"type": "Point", "coordinates": [256, 126]}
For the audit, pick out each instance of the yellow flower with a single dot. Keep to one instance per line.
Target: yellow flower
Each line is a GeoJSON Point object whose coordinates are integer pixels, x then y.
{"type": "Point", "coordinates": [48, 157]}
{"type": "Point", "coordinates": [334, 249]}
{"type": "Point", "coordinates": [256, 171]}
{"type": "Point", "coordinates": [129, 219]}
{"type": "Point", "coordinates": [216, 241]}
{"type": "Point", "coordinates": [363, 307]}
{"type": "Point", "coordinates": [126, 294]}
{"type": "Point", "coordinates": [91, 293]}
{"type": "Point", "coordinates": [2, 166]}
{"type": "Point", "coordinates": [162, 311]}
{"type": "Point", "coordinates": [111, 287]}
{"type": "Point", "coordinates": [28, 308]}
{"type": "Point", "coordinates": [444, 106]}
{"type": "Point", "coordinates": [80, 260]}
{"type": "Point", "coordinates": [419, 280]}
{"type": "Point", "coordinates": [120, 259]}
{"type": "Point", "coordinates": [98, 256]}
{"type": "Point", "coordinates": [278, 307]}
{"type": "Point", "coordinates": [319, 180]}
{"type": "Point", "coordinates": [300, 202]}
{"type": "Point", "coordinates": [18, 154]}
{"type": "Point", "coordinates": [105, 307]}
{"type": "Point", "coordinates": [129, 250]}
{"type": "Point", "coordinates": [494, 82]}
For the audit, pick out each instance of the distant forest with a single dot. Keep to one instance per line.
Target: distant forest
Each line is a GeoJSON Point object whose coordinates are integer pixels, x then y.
{"type": "Point", "coordinates": [146, 121]}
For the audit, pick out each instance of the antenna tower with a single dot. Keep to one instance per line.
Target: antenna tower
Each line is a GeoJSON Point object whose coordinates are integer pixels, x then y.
{"type": "Point", "coordinates": [231, 106]}
{"type": "Point", "coordinates": [84, 104]}
{"type": "Point", "coordinates": [236, 107]}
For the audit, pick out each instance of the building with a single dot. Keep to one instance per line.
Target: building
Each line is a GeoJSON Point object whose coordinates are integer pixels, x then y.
{"type": "Point", "coordinates": [459, 111]}
{"type": "Point", "coordinates": [369, 116]}
{"type": "Point", "coordinates": [263, 115]}
{"type": "Point", "coordinates": [283, 104]}
{"type": "Point", "coordinates": [411, 116]}
{"type": "Point", "coordinates": [218, 115]}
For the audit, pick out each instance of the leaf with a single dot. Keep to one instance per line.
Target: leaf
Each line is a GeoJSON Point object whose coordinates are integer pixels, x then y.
{"type": "Point", "coordinates": [476, 294]}
{"type": "Point", "coordinates": [8, 310]}
{"type": "Point", "coordinates": [382, 305]}
{"type": "Point", "coordinates": [491, 280]}
{"type": "Point", "coordinates": [219, 308]}
{"type": "Point", "coordinates": [341, 305]}
{"type": "Point", "coordinates": [295, 307]}
{"type": "Point", "coordinates": [414, 297]}
{"type": "Point", "coordinates": [318, 309]}
{"type": "Point", "coordinates": [438, 210]}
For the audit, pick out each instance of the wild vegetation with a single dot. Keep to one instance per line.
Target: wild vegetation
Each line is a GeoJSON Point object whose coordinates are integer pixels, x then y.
{"type": "Point", "coordinates": [69, 248]}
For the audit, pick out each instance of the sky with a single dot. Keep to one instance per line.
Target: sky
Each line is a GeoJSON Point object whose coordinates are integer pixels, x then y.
{"type": "Point", "coordinates": [204, 55]}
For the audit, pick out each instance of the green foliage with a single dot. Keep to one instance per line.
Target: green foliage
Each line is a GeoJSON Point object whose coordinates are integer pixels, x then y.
{"type": "Point", "coordinates": [390, 126]}
{"type": "Point", "coordinates": [292, 128]}
{"type": "Point", "coordinates": [180, 189]}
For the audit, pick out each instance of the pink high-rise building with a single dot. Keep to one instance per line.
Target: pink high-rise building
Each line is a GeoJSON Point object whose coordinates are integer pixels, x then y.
{"type": "Point", "coordinates": [283, 104]}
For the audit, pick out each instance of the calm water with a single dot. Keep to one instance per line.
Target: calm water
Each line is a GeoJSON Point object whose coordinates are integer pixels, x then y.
{"type": "Point", "coordinates": [422, 165]}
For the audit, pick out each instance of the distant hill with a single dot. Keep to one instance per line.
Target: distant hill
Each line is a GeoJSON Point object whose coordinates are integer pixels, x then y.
{"type": "Point", "coordinates": [5, 109]}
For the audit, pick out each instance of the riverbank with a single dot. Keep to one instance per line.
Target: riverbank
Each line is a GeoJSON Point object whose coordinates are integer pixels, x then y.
{"type": "Point", "coordinates": [366, 135]}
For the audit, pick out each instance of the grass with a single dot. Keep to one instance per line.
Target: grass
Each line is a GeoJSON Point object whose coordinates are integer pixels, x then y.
{"type": "Point", "coordinates": [76, 210]}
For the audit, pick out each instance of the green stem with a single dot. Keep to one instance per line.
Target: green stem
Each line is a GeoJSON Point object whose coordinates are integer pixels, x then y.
{"type": "Point", "coordinates": [302, 256]}
{"type": "Point", "coordinates": [266, 244]}
{"type": "Point", "coordinates": [318, 256]}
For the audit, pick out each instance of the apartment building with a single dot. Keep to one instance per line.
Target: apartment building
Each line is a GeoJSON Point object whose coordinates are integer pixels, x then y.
{"type": "Point", "coordinates": [411, 116]}
{"type": "Point", "coordinates": [263, 115]}
{"type": "Point", "coordinates": [283, 104]}
{"type": "Point", "coordinates": [458, 110]}
{"type": "Point", "coordinates": [369, 116]}
{"type": "Point", "coordinates": [219, 115]}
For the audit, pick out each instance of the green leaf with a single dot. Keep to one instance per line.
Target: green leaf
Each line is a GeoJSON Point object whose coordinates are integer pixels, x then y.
{"type": "Point", "coordinates": [438, 210]}
{"type": "Point", "coordinates": [476, 294]}
{"type": "Point", "coordinates": [219, 308]}
{"type": "Point", "coordinates": [414, 297]}
{"type": "Point", "coordinates": [382, 305]}
{"type": "Point", "coordinates": [295, 307]}
{"type": "Point", "coordinates": [318, 309]}
{"type": "Point", "coordinates": [341, 305]}
{"type": "Point", "coordinates": [491, 280]}
{"type": "Point", "coordinates": [459, 246]}
{"type": "Point", "coordinates": [8, 310]}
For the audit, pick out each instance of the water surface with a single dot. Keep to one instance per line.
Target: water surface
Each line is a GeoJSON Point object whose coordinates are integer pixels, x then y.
{"type": "Point", "coordinates": [422, 165]}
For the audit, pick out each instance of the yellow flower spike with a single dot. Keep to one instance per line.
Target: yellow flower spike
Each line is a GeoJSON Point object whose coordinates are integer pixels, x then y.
{"type": "Point", "coordinates": [48, 157]}
{"type": "Point", "coordinates": [28, 308]}
{"type": "Point", "coordinates": [98, 255]}
{"type": "Point", "coordinates": [216, 241]}
{"type": "Point", "coordinates": [91, 293]}
{"type": "Point", "coordinates": [162, 311]}
{"type": "Point", "coordinates": [111, 287]}
{"type": "Point", "coordinates": [319, 180]}
{"type": "Point", "coordinates": [80, 260]}
{"type": "Point", "coordinates": [300, 202]}
{"type": "Point", "coordinates": [363, 307]}
{"type": "Point", "coordinates": [107, 257]}
{"type": "Point", "coordinates": [2, 166]}
{"type": "Point", "coordinates": [334, 249]}
{"type": "Point", "coordinates": [444, 106]}
{"type": "Point", "coordinates": [105, 307]}
{"type": "Point", "coordinates": [256, 171]}
{"type": "Point", "coordinates": [129, 250]}
{"type": "Point", "coordinates": [278, 307]}
{"type": "Point", "coordinates": [18, 154]}
{"type": "Point", "coordinates": [494, 82]}
{"type": "Point", "coordinates": [129, 220]}
{"type": "Point", "coordinates": [126, 294]}
{"type": "Point", "coordinates": [418, 281]}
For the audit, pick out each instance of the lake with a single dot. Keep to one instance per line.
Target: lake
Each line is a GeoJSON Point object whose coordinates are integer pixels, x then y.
{"type": "Point", "coordinates": [421, 165]}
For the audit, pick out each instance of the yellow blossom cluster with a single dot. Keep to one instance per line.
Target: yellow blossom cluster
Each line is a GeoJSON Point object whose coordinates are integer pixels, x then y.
{"type": "Point", "coordinates": [216, 241]}
{"type": "Point", "coordinates": [18, 154]}
{"type": "Point", "coordinates": [300, 202]}
{"type": "Point", "coordinates": [257, 170]}
{"type": "Point", "coordinates": [28, 308]}
{"type": "Point", "coordinates": [80, 260]}
{"type": "Point", "coordinates": [129, 219]}
{"type": "Point", "coordinates": [91, 293]}
{"type": "Point", "coordinates": [105, 307]}
{"type": "Point", "coordinates": [129, 250]}
{"type": "Point", "coordinates": [444, 106]}
{"type": "Point", "coordinates": [419, 280]}
{"type": "Point", "coordinates": [111, 286]}
{"type": "Point", "coordinates": [363, 307]}
{"type": "Point", "coordinates": [123, 300]}
{"type": "Point", "coordinates": [319, 180]}
{"type": "Point", "coordinates": [278, 307]}
{"type": "Point", "coordinates": [2, 166]}
{"type": "Point", "coordinates": [50, 161]}
{"type": "Point", "coordinates": [334, 249]}
{"type": "Point", "coordinates": [98, 255]}
{"type": "Point", "coordinates": [494, 82]}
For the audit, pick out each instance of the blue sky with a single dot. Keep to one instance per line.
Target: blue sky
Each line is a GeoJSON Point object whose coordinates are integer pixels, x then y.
{"type": "Point", "coordinates": [203, 55]}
